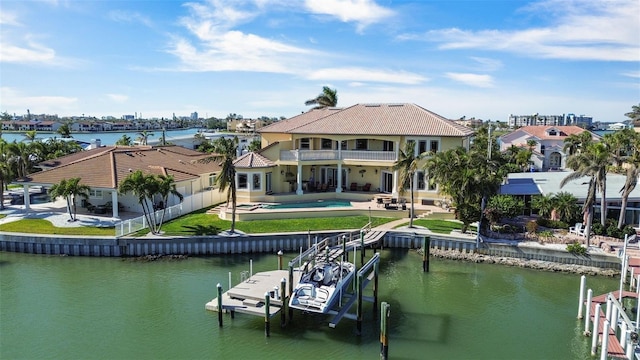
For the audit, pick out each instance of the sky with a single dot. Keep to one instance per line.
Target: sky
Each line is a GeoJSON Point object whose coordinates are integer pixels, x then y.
{"type": "Point", "coordinates": [472, 58]}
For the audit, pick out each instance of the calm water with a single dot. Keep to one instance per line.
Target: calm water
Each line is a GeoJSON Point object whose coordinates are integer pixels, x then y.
{"type": "Point", "coordinates": [106, 138]}
{"type": "Point", "coordinates": [73, 308]}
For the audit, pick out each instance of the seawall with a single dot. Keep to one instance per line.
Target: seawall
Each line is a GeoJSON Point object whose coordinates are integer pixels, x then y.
{"type": "Point", "coordinates": [463, 246]}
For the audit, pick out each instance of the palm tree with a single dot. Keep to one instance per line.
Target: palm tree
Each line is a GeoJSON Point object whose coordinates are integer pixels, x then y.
{"type": "Point", "coordinates": [70, 190]}
{"type": "Point", "coordinates": [531, 144]}
{"type": "Point", "coordinates": [142, 186]}
{"type": "Point", "coordinates": [565, 205]}
{"type": "Point", "coordinates": [591, 161]}
{"type": "Point", "coordinates": [20, 158]}
{"type": "Point", "coordinates": [632, 172]}
{"type": "Point", "coordinates": [5, 170]}
{"type": "Point", "coordinates": [544, 204]}
{"type": "Point", "coordinates": [634, 114]}
{"type": "Point", "coordinates": [327, 98]}
{"type": "Point", "coordinates": [166, 186]}
{"type": "Point", "coordinates": [65, 131]}
{"type": "Point", "coordinates": [30, 135]}
{"type": "Point", "coordinates": [144, 136]}
{"type": "Point", "coordinates": [576, 142]}
{"type": "Point", "coordinates": [225, 151]}
{"type": "Point", "coordinates": [124, 141]}
{"type": "Point", "coordinates": [407, 166]}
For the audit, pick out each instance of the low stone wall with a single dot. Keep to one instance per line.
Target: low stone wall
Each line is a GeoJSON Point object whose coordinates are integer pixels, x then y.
{"type": "Point", "coordinates": [525, 263]}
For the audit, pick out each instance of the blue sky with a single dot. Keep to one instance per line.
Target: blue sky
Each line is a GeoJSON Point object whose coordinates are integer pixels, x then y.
{"type": "Point", "coordinates": [473, 58]}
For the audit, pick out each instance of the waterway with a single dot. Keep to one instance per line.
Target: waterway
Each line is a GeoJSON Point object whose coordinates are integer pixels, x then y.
{"type": "Point", "coordinates": [106, 138]}
{"type": "Point", "coordinates": [103, 308]}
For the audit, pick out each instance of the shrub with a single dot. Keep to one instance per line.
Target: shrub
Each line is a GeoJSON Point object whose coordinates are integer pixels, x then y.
{"type": "Point", "coordinates": [553, 224]}
{"type": "Point", "coordinates": [546, 234]}
{"type": "Point", "coordinates": [532, 227]}
{"type": "Point", "coordinates": [628, 230]}
{"type": "Point", "coordinates": [576, 249]}
{"type": "Point", "coordinates": [613, 231]}
{"type": "Point", "coordinates": [598, 229]}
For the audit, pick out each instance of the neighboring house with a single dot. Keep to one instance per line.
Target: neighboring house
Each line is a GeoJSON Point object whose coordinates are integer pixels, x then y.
{"type": "Point", "coordinates": [104, 168]}
{"type": "Point", "coordinates": [531, 184]}
{"type": "Point", "coordinates": [548, 152]}
{"type": "Point", "coordinates": [337, 150]}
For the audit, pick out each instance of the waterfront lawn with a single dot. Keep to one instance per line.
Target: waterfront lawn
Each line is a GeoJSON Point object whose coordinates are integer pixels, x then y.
{"type": "Point", "coordinates": [41, 226]}
{"type": "Point", "coordinates": [201, 223]}
{"type": "Point", "coordinates": [440, 226]}
{"type": "Point", "coordinates": [2, 215]}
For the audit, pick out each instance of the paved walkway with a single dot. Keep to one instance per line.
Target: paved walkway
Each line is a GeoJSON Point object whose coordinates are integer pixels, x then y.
{"type": "Point", "coordinates": [55, 213]}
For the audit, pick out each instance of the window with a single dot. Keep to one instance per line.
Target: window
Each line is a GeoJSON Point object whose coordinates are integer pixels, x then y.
{"type": "Point", "coordinates": [387, 145]}
{"type": "Point", "coordinates": [433, 146]}
{"type": "Point", "coordinates": [268, 182]}
{"type": "Point", "coordinates": [420, 184]}
{"type": "Point", "coordinates": [242, 181]}
{"type": "Point", "coordinates": [95, 194]}
{"type": "Point", "coordinates": [257, 182]}
{"type": "Point", "coordinates": [326, 144]}
{"type": "Point", "coordinates": [361, 144]}
{"type": "Point", "coordinates": [343, 145]}
{"type": "Point", "coordinates": [212, 180]}
{"type": "Point", "coordinates": [305, 144]}
{"type": "Point", "coordinates": [542, 148]}
{"type": "Point", "coordinates": [422, 146]}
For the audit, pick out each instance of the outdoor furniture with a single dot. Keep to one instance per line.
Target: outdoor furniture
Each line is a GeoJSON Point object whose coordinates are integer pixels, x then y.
{"type": "Point", "coordinates": [366, 187]}
{"type": "Point", "coordinates": [354, 186]}
{"type": "Point", "coordinates": [577, 229]}
{"type": "Point", "coordinates": [379, 202]}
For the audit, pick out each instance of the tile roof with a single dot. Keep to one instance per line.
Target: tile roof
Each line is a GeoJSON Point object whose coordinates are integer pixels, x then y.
{"type": "Point", "coordinates": [371, 119]}
{"type": "Point", "coordinates": [105, 167]}
{"type": "Point", "coordinates": [253, 160]}
{"type": "Point", "coordinates": [540, 131]}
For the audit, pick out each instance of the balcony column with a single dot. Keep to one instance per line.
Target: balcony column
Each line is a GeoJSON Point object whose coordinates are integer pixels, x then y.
{"type": "Point", "coordinates": [339, 181]}
{"type": "Point", "coordinates": [397, 147]}
{"type": "Point", "coordinates": [114, 202]}
{"type": "Point", "coordinates": [299, 179]}
{"type": "Point", "coordinates": [394, 192]}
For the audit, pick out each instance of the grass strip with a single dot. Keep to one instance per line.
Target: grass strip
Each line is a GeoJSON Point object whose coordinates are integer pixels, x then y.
{"type": "Point", "coordinates": [41, 226]}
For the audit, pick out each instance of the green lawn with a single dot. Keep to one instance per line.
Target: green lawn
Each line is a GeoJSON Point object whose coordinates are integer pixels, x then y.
{"type": "Point", "coordinates": [41, 226]}
{"type": "Point", "coordinates": [2, 215]}
{"type": "Point", "coordinates": [201, 223]}
{"type": "Point", "coordinates": [440, 226]}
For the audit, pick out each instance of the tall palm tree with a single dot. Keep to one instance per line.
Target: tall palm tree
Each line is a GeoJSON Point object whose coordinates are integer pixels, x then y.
{"type": "Point", "coordinates": [593, 162]}
{"type": "Point", "coordinates": [143, 187]}
{"type": "Point", "coordinates": [327, 98]}
{"type": "Point", "coordinates": [5, 170]}
{"type": "Point", "coordinates": [143, 136]}
{"type": "Point", "coordinates": [407, 166]}
{"type": "Point", "coordinates": [576, 142]}
{"type": "Point", "coordinates": [166, 186]}
{"type": "Point", "coordinates": [225, 152]}
{"type": "Point", "coordinates": [20, 158]}
{"type": "Point", "coordinates": [30, 135]}
{"type": "Point", "coordinates": [70, 190]}
{"type": "Point", "coordinates": [632, 172]}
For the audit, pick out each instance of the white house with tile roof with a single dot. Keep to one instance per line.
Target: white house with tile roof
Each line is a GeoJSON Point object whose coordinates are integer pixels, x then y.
{"type": "Point", "coordinates": [548, 152]}
{"type": "Point", "coordinates": [104, 168]}
{"type": "Point", "coordinates": [351, 149]}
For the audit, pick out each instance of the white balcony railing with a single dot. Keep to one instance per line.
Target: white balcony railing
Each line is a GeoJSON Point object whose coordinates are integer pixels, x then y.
{"type": "Point", "coordinates": [309, 155]}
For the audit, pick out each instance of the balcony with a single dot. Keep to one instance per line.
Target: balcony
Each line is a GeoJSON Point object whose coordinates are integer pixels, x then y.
{"type": "Point", "coordinates": [322, 155]}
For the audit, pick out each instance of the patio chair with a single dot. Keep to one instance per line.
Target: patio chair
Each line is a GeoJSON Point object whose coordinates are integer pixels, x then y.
{"type": "Point", "coordinates": [366, 187]}
{"type": "Point", "coordinates": [324, 187]}
{"type": "Point", "coordinates": [577, 229]}
{"type": "Point", "coordinates": [354, 186]}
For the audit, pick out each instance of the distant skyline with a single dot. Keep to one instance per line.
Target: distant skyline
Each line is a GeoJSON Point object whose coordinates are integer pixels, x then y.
{"type": "Point", "coordinates": [482, 59]}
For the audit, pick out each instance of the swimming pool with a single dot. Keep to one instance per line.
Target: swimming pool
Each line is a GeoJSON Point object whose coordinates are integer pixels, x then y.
{"type": "Point", "coordinates": [309, 204]}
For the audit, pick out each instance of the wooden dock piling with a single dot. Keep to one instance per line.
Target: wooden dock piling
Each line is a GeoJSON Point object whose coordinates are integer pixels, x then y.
{"type": "Point", "coordinates": [219, 305]}
{"type": "Point", "coordinates": [385, 312]}
{"type": "Point", "coordinates": [425, 253]}
{"type": "Point", "coordinates": [267, 314]}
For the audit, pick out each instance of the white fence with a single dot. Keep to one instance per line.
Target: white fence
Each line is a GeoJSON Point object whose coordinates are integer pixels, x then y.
{"type": "Point", "coordinates": [189, 204]}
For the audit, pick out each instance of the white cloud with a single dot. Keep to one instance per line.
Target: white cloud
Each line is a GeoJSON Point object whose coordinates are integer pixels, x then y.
{"type": "Point", "coordinates": [12, 99]}
{"type": "Point", "coordinates": [129, 17]}
{"type": "Point", "coordinates": [579, 30]}
{"type": "Point", "coordinates": [487, 64]}
{"type": "Point", "coordinates": [27, 52]}
{"type": "Point", "coordinates": [483, 81]}
{"type": "Point", "coordinates": [632, 74]}
{"type": "Point", "coordinates": [9, 18]}
{"type": "Point", "coordinates": [119, 98]}
{"type": "Point", "coordinates": [362, 12]}
{"type": "Point", "coordinates": [367, 75]}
